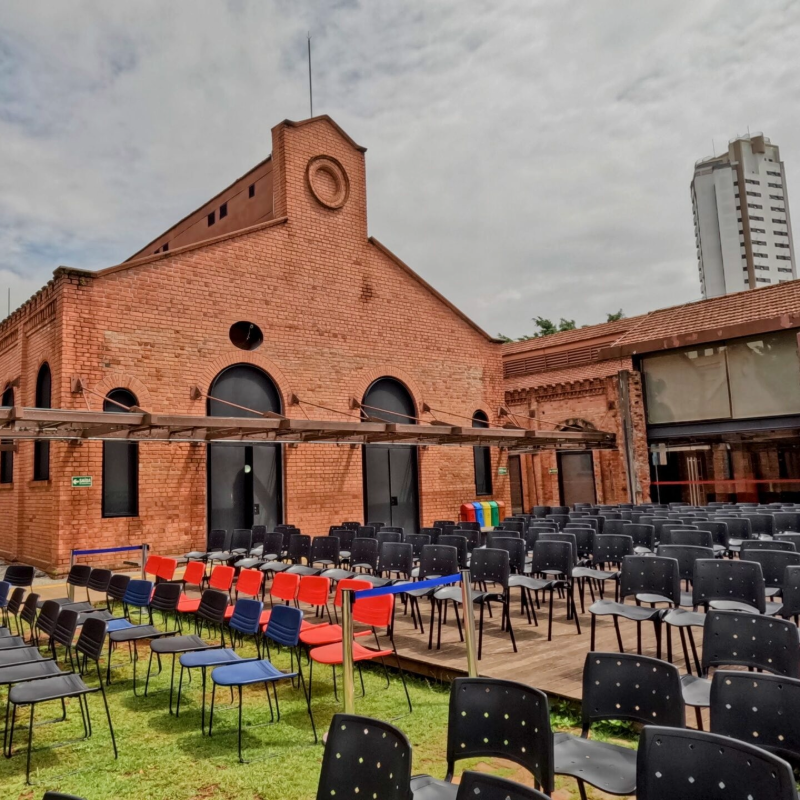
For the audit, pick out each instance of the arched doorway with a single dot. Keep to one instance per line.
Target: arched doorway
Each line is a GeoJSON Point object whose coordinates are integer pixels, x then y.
{"type": "Point", "coordinates": [391, 486]}
{"type": "Point", "coordinates": [245, 480]}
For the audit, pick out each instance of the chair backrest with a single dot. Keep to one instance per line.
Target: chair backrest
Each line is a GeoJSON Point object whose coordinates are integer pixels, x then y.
{"type": "Point", "coordinates": [314, 590]}
{"type": "Point", "coordinates": [419, 540]}
{"type": "Point", "coordinates": [29, 608]}
{"type": "Point", "coordinates": [92, 637]}
{"type": "Point", "coordinates": [376, 612]}
{"type": "Point", "coordinates": [773, 564]}
{"type": "Point", "coordinates": [364, 553]}
{"type": "Point", "coordinates": [78, 575]}
{"type": "Point", "coordinates": [385, 537]}
{"type": "Point", "coordinates": [584, 522]}
{"type": "Point", "coordinates": [152, 565]}
{"type": "Point", "coordinates": [259, 533]}
{"type": "Point", "coordinates": [99, 580]}
{"type": "Point", "coordinates": [787, 521]}
{"type": "Point", "coordinates": [726, 580]}
{"type": "Point", "coordinates": [615, 525]}
{"type": "Point", "coordinates": [540, 511]}
{"type": "Point", "coordinates": [490, 565]}
{"type": "Point", "coordinates": [391, 529]}
{"type": "Point", "coordinates": [631, 687]}
{"type": "Point", "coordinates": [790, 593]}
{"type": "Point", "coordinates": [718, 531]}
{"type": "Point", "coordinates": [351, 525]}
{"type": "Point", "coordinates": [565, 536]}
{"type": "Point", "coordinates": [284, 626]}
{"type": "Point", "coordinates": [213, 605]}
{"type": "Point", "coordinates": [438, 523]}
{"type": "Point", "coordinates": [246, 616]}
{"type": "Point", "coordinates": [166, 569]}
{"type": "Point", "coordinates": [767, 544]}
{"type": "Point", "coordinates": [480, 786]}
{"type": "Point", "coordinates": [299, 546]}
{"type": "Point", "coordinates": [685, 555]}
{"type": "Point", "coordinates": [763, 710]}
{"type": "Point", "coordinates": [514, 547]}
{"type": "Point", "coordinates": [365, 754]}
{"type": "Point", "coordinates": [559, 519]}
{"type": "Point", "coordinates": [396, 557]}
{"type": "Point", "coordinates": [687, 537]}
{"type": "Point", "coordinates": [650, 575]}
{"type": "Point", "coordinates": [194, 573]}
{"type": "Point", "coordinates": [553, 557]}
{"type": "Point", "coordinates": [66, 624]}
{"type": "Point", "coordinates": [249, 582]}
{"type": "Point", "coordinates": [491, 718]}
{"type": "Point", "coordinates": [20, 575]}
{"type": "Point", "coordinates": [166, 596]}
{"type": "Point", "coordinates": [472, 536]}
{"type": "Point", "coordinates": [273, 546]}
{"type": "Point", "coordinates": [584, 540]}
{"type": "Point", "coordinates": [794, 538]}
{"type": "Point", "coordinates": [733, 638]}
{"type": "Point", "coordinates": [460, 543]}
{"type": "Point", "coordinates": [48, 617]}
{"type": "Point", "coordinates": [643, 535]}
{"type": "Point", "coordinates": [285, 586]}
{"type": "Point", "coordinates": [349, 583]}
{"type": "Point", "coordinates": [118, 586]}
{"type": "Point", "coordinates": [15, 601]}
{"type": "Point", "coordinates": [438, 559]}
{"type": "Point", "coordinates": [242, 539]}
{"type": "Point", "coordinates": [738, 527]}
{"type": "Point", "coordinates": [611, 548]}
{"type": "Point", "coordinates": [512, 525]}
{"type": "Point", "coordinates": [693, 765]}
{"type": "Point", "coordinates": [345, 537]}
{"type": "Point", "coordinates": [369, 530]}
{"type": "Point", "coordinates": [761, 523]}
{"type": "Point", "coordinates": [5, 588]}
{"type": "Point", "coordinates": [221, 577]}
{"type": "Point", "coordinates": [217, 539]}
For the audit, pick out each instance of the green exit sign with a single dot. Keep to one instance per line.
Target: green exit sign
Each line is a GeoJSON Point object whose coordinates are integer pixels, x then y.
{"type": "Point", "coordinates": [81, 481]}
{"type": "Point", "coordinates": [502, 470]}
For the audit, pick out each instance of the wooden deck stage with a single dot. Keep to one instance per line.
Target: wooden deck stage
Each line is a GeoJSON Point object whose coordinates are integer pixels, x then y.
{"type": "Point", "coordinates": [555, 667]}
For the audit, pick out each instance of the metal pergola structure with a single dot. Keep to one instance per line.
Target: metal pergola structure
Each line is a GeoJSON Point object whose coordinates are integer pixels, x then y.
{"type": "Point", "coordinates": [18, 423]}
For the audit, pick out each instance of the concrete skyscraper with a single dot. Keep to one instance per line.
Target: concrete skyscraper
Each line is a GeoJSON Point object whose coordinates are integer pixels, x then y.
{"type": "Point", "coordinates": [741, 218]}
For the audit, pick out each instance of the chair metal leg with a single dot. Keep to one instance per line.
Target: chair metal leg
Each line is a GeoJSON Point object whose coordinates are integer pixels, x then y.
{"type": "Point", "coordinates": [30, 744]}
{"type": "Point", "coordinates": [619, 635]}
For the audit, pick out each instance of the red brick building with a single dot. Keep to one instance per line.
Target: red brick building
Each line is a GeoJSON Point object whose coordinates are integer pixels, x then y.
{"type": "Point", "coordinates": [270, 293]}
{"type": "Point", "coordinates": [704, 399]}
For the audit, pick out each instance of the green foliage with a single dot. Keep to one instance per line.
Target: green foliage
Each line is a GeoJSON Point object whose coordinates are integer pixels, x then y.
{"type": "Point", "coordinates": [614, 317]}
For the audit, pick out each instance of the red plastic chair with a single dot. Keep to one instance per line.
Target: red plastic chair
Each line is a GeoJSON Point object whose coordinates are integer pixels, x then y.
{"type": "Point", "coordinates": [376, 612]}
{"type": "Point", "coordinates": [248, 585]}
{"type": "Point", "coordinates": [314, 591]}
{"type": "Point", "coordinates": [324, 633]}
{"type": "Point", "coordinates": [285, 586]}
{"type": "Point", "coordinates": [152, 565]}
{"type": "Point", "coordinates": [193, 575]}
{"type": "Point", "coordinates": [221, 579]}
{"type": "Point", "coordinates": [166, 569]}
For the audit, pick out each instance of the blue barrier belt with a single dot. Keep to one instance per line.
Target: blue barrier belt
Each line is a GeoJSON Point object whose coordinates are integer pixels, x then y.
{"type": "Point", "coordinates": [106, 550]}
{"type": "Point", "coordinates": [363, 594]}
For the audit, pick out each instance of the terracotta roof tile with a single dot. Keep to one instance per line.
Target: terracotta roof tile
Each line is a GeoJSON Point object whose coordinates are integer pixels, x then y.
{"type": "Point", "coordinates": [566, 337]}
{"type": "Point", "coordinates": [554, 377]}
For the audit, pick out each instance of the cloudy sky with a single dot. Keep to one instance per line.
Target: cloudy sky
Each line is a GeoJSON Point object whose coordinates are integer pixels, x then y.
{"type": "Point", "coordinates": [527, 158]}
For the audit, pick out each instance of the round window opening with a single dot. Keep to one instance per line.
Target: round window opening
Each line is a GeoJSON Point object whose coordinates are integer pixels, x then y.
{"type": "Point", "coordinates": [246, 335]}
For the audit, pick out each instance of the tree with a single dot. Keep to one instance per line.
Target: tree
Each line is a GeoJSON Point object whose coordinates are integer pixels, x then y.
{"type": "Point", "coordinates": [547, 328]}
{"type": "Point", "coordinates": [503, 338]}
{"type": "Point", "coordinates": [615, 317]}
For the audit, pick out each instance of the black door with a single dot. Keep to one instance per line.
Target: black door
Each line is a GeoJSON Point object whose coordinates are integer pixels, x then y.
{"type": "Point", "coordinates": [244, 479]}
{"type": "Point", "coordinates": [391, 485]}
{"type": "Point", "coordinates": [576, 478]}
{"type": "Point", "coordinates": [515, 480]}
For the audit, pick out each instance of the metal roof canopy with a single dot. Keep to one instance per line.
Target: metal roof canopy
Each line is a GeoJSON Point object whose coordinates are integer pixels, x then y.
{"type": "Point", "coordinates": [136, 425]}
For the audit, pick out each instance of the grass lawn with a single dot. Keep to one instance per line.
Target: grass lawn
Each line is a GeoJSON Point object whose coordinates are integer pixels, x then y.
{"type": "Point", "coordinates": [164, 758]}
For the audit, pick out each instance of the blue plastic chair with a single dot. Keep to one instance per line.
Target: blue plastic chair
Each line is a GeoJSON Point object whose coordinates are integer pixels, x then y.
{"type": "Point", "coordinates": [137, 595]}
{"type": "Point", "coordinates": [283, 629]}
{"type": "Point", "coordinates": [245, 621]}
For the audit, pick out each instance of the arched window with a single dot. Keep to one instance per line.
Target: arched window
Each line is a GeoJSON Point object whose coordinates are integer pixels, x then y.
{"type": "Point", "coordinates": [41, 449]}
{"type": "Point", "coordinates": [7, 456]}
{"type": "Point", "coordinates": [482, 457]}
{"type": "Point", "coordinates": [120, 464]}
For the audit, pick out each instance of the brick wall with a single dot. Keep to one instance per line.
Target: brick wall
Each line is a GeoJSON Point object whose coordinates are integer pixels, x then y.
{"type": "Point", "coordinates": [337, 312]}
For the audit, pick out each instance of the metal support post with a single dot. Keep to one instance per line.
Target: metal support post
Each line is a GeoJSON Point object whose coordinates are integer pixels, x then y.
{"type": "Point", "coordinates": [469, 623]}
{"type": "Point", "coordinates": [70, 587]}
{"type": "Point", "coordinates": [348, 677]}
{"type": "Point", "coordinates": [145, 549]}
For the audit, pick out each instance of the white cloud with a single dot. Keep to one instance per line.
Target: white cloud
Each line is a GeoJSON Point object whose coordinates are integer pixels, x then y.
{"type": "Point", "coordinates": [526, 158]}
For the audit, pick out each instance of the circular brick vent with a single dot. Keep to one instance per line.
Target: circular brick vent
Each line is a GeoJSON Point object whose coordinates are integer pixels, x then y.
{"type": "Point", "coordinates": [328, 181]}
{"type": "Point", "coordinates": [246, 335]}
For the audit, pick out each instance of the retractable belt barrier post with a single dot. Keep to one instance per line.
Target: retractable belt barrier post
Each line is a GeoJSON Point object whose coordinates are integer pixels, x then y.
{"type": "Point", "coordinates": [103, 550]}
{"type": "Point", "coordinates": [348, 596]}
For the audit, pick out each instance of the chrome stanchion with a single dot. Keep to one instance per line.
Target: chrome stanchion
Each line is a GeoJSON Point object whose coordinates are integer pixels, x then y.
{"type": "Point", "coordinates": [469, 623]}
{"type": "Point", "coordinates": [70, 588]}
{"type": "Point", "coordinates": [348, 677]}
{"type": "Point", "coordinates": [145, 549]}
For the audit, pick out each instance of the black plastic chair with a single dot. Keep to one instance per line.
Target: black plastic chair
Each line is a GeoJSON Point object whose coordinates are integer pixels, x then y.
{"type": "Point", "coordinates": [675, 764]}
{"type": "Point", "coordinates": [438, 523]}
{"type": "Point", "coordinates": [763, 710]}
{"type": "Point", "coordinates": [762, 524]}
{"type": "Point", "coordinates": [736, 639]}
{"type": "Point", "coordinates": [22, 613]}
{"type": "Point", "coordinates": [117, 587]}
{"type": "Point", "coordinates": [517, 565]}
{"type": "Point", "coordinates": [616, 526]}
{"type": "Point", "coordinates": [688, 538]}
{"type": "Point", "coordinates": [366, 755]}
{"type": "Point", "coordinates": [388, 536]}
{"type": "Point", "coordinates": [216, 542]}
{"type": "Point", "coordinates": [650, 579]}
{"type": "Point", "coordinates": [790, 595]}
{"type": "Point", "coordinates": [368, 531]}
{"type": "Point", "coordinates": [391, 529]}
{"type": "Point", "coordinates": [62, 687]}
{"type": "Point", "coordinates": [78, 578]}
{"type": "Point", "coordinates": [437, 560]}
{"type": "Point", "coordinates": [491, 718]}
{"type": "Point", "coordinates": [364, 555]}
{"type": "Point", "coordinates": [608, 549]}
{"type": "Point", "coordinates": [460, 543]}
{"type": "Point", "coordinates": [559, 519]}
{"type": "Point", "coordinates": [297, 549]}
{"type": "Point", "coordinates": [730, 586]}
{"type": "Point", "coordinates": [794, 538]}
{"type": "Point", "coordinates": [786, 521]}
{"type": "Point", "coordinates": [418, 541]}
{"type": "Point", "coordinates": [20, 575]}
{"type": "Point", "coordinates": [480, 786]}
{"type": "Point", "coordinates": [773, 566]}
{"type": "Point", "coordinates": [766, 544]}
{"type": "Point", "coordinates": [719, 534]}
{"type": "Point", "coordinates": [555, 561]}
{"type": "Point", "coordinates": [618, 687]}
{"type": "Point", "coordinates": [739, 529]}
{"type": "Point", "coordinates": [395, 562]}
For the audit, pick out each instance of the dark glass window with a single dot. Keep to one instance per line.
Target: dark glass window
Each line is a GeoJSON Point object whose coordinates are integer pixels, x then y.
{"type": "Point", "coordinates": [7, 456]}
{"type": "Point", "coordinates": [211, 218]}
{"type": "Point", "coordinates": [223, 211]}
{"type": "Point", "coordinates": [41, 450]}
{"type": "Point", "coordinates": [120, 464]}
{"type": "Point", "coordinates": [482, 457]}
{"type": "Point", "coordinates": [251, 191]}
